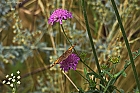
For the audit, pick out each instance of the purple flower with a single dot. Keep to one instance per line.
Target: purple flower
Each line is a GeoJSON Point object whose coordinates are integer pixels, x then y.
{"type": "Point", "coordinates": [59, 15]}
{"type": "Point", "coordinates": [70, 62]}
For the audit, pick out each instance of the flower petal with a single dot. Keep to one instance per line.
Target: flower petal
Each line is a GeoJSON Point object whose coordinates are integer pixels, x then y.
{"type": "Point", "coordinates": [59, 15]}
{"type": "Point", "coordinates": [70, 62]}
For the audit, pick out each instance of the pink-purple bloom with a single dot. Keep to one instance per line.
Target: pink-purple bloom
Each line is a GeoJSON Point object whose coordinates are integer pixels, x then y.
{"type": "Point", "coordinates": [59, 15]}
{"type": "Point", "coordinates": [70, 62]}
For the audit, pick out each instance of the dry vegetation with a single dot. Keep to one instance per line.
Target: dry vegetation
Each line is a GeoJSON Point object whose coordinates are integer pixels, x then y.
{"type": "Point", "coordinates": [29, 43]}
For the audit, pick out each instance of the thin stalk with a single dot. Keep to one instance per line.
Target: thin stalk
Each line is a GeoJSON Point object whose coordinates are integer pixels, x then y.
{"type": "Point", "coordinates": [82, 75]}
{"type": "Point", "coordinates": [126, 43]}
{"type": "Point", "coordinates": [70, 81]}
{"type": "Point", "coordinates": [80, 58]}
{"type": "Point", "coordinates": [91, 41]}
{"type": "Point", "coordinates": [65, 35]}
{"type": "Point", "coordinates": [90, 37]}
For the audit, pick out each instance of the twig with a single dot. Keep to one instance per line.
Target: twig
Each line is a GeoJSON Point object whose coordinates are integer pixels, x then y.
{"type": "Point", "coordinates": [35, 71]}
{"type": "Point", "coordinates": [70, 80]}
{"type": "Point", "coordinates": [22, 3]}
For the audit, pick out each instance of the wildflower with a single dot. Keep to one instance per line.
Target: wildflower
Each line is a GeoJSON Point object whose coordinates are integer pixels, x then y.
{"type": "Point", "coordinates": [12, 85]}
{"type": "Point", "coordinates": [4, 81]}
{"type": "Point", "coordinates": [12, 74]}
{"type": "Point", "coordinates": [114, 60]}
{"type": "Point", "coordinates": [7, 76]}
{"type": "Point", "coordinates": [104, 66]}
{"type": "Point", "coordinates": [70, 62]}
{"type": "Point", "coordinates": [18, 72]}
{"type": "Point", "coordinates": [18, 77]}
{"type": "Point", "coordinates": [12, 80]}
{"type": "Point", "coordinates": [59, 15]}
{"type": "Point", "coordinates": [18, 82]}
{"type": "Point", "coordinates": [9, 79]}
{"type": "Point", "coordinates": [8, 82]}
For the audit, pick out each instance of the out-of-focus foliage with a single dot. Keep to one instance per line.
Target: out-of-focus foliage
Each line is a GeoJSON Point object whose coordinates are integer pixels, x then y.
{"type": "Point", "coordinates": [29, 44]}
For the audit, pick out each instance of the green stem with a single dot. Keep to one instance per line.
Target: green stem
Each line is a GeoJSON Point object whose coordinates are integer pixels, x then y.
{"type": "Point", "coordinates": [82, 75]}
{"type": "Point", "coordinates": [127, 44]}
{"type": "Point", "coordinates": [65, 35]}
{"type": "Point", "coordinates": [80, 58]}
{"type": "Point", "coordinates": [90, 37]}
{"type": "Point", "coordinates": [91, 41]}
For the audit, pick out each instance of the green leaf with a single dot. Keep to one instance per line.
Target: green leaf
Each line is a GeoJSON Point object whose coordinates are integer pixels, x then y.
{"type": "Point", "coordinates": [85, 71]}
{"type": "Point", "coordinates": [124, 74]}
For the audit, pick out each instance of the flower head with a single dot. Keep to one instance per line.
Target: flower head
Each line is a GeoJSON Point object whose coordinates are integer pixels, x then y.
{"type": "Point", "coordinates": [59, 15]}
{"type": "Point", "coordinates": [12, 80]}
{"type": "Point", "coordinates": [70, 62]}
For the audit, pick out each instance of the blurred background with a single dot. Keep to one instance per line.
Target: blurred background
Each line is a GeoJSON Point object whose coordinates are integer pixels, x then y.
{"type": "Point", "coordinates": [29, 44]}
